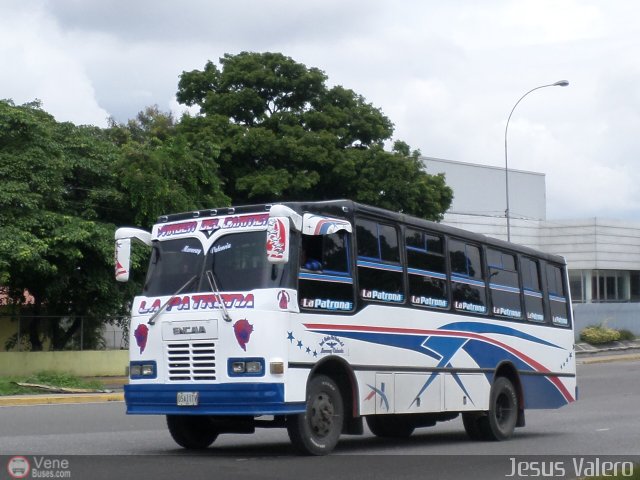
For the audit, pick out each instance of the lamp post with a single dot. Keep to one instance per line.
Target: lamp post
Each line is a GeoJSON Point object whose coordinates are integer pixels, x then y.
{"type": "Point", "coordinates": [559, 83]}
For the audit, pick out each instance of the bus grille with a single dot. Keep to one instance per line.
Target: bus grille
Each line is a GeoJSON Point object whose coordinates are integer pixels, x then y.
{"type": "Point", "coordinates": [191, 361]}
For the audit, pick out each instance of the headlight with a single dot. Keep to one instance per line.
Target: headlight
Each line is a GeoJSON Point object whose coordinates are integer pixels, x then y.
{"type": "Point", "coordinates": [238, 367]}
{"type": "Point", "coordinates": [250, 367]}
{"type": "Point", "coordinates": [254, 367]}
{"type": "Point", "coordinates": [138, 370]}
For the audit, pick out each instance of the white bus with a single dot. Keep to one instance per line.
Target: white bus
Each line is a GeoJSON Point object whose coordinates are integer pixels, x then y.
{"type": "Point", "coordinates": [315, 316]}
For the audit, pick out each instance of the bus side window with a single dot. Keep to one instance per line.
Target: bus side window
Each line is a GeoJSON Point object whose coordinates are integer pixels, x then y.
{"type": "Point", "coordinates": [504, 284]}
{"type": "Point", "coordinates": [533, 304]}
{"type": "Point", "coordinates": [427, 269]}
{"type": "Point", "coordinates": [311, 252]}
{"type": "Point", "coordinates": [467, 282]}
{"type": "Point", "coordinates": [557, 296]}
{"type": "Point", "coordinates": [380, 273]}
{"type": "Point", "coordinates": [325, 280]}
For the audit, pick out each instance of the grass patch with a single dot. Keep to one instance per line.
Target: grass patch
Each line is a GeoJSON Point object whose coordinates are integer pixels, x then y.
{"type": "Point", "coordinates": [54, 379]}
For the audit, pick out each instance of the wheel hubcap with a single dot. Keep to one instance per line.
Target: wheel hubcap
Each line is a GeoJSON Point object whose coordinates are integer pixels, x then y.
{"type": "Point", "coordinates": [503, 409]}
{"type": "Point", "coordinates": [321, 415]}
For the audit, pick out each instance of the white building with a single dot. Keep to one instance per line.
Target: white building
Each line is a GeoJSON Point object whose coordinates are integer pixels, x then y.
{"type": "Point", "coordinates": [603, 255]}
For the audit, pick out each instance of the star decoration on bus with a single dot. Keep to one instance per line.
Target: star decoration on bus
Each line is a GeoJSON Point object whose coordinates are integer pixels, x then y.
{"type": "Point", "coordinates": [300, 344]}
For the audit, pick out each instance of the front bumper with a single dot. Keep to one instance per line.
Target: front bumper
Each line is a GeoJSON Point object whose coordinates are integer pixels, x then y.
{"type": "Point", "coordinates": [218, 399]}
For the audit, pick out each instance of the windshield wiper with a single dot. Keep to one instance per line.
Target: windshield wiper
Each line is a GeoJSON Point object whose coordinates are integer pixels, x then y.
{"type": "Point", "coordinates": [214, 288]}
{"type": "Point", "coordinates": [152, 320]}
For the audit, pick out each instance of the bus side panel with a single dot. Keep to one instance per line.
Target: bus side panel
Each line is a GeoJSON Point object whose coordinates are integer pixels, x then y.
{"type": "Point", "coordinates": [429, 388]}
{"type": "Point", "coordinates": [546, 392]}
{"type": "Point", "coordinates": [466, 392]}
{"type": "Point", "coordinates": [296, 384]}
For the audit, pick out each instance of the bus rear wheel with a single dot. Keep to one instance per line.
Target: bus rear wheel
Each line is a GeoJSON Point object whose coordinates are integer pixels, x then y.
{"type": "Point", "coordinates": [390, 426]}
{"type": "Point", "coordinates": [317, 431]}
{"type": "Point", "coordinates": [193, 432]}
{"type": "Point", "coordinates": [500, 421]}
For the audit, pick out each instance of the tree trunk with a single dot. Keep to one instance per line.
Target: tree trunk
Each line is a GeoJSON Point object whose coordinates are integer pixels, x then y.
{"type": "Point", "coordinates": [62, 337]}
{"type": "Point", "coordinates": [34, 324]}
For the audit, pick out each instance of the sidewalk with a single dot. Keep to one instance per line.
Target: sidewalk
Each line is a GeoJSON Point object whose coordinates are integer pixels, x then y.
{"type": "Point", "coordinates": [611, 352]}
{"type": "Point", "coordinates": [112, 392]}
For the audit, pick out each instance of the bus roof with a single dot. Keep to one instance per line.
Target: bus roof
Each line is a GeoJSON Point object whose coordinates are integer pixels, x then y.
{"type": "Point", "coordinates": [347, 209]}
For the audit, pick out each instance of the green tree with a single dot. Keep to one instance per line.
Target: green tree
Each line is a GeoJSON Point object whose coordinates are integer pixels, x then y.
{"type": "Point", "coordinates": [63, 191]}
{"type": "Point", "coordinates": [56, 189]}
{"type": "Point", "coordinates": [284, 135]}
{"type": "Point", "coordinates": [163, 168]}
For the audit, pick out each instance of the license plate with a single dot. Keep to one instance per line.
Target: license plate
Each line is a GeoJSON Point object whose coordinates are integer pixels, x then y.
{"type": "Point", "coordinates": [187, 399]}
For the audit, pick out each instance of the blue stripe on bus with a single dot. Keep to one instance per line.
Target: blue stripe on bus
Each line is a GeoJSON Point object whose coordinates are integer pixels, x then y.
{"type": "Point", "coordinates": [325, 278]}
{"type": "Point", "coordinates": [427, 273]}
{"type": "Point", "coordinates": [555, 298]}
{"type": "Point", "coordinates": [379, 266]}
{"type": "Point", "coordinates": [532, 293]}
{"type": "Point", "coordinates": [504, 288]}
{"type": "Point", "coordinates": [467, 281]}
{"type": "Point", "coordinates": [484, 352]}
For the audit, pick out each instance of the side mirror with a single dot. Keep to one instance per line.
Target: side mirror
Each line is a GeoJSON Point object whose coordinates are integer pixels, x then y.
{"type": "Point", "coordinates": [278, 240]}
{"type": "Point", "coordinates": [123, 259]}
{"type": "Point", "coordinates": [123, 238]}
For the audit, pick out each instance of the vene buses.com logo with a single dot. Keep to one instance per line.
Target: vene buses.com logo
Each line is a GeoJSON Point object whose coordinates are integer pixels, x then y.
{"type": "Point", "coordinates": [18, 467]}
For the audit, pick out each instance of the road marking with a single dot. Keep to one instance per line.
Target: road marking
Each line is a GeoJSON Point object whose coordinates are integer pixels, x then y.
{"type": "Point", "coordinates": [603, 429]}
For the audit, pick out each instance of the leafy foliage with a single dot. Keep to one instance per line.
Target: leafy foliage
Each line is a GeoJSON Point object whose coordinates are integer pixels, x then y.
{"type": "Point", "coordinates": [599, 334]}
{"type": "Point", "coordinates": [64, 190]}
{"type": "Point", "coordinates": [285, 135]}
{"type": "Point", "coordinates": [57, 192]}
{"type": "Point", "coordinates": [162, 169]}
{"type": "Point", "coordinates": [269, 130]}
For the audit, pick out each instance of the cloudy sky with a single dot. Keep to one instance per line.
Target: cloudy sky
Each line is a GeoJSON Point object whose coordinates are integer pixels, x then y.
{"type": "Point", "coordinates": [446, 73]}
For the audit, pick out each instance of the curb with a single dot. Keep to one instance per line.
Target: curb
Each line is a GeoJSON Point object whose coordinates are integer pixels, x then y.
{"type": "Point", "coordinates": [608, 358]}
{"type": "Point", "coordinates": [23, 400]}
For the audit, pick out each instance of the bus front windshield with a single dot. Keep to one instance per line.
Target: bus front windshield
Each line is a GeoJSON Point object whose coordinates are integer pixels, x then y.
{"type": "Point", "coordinates": [238, 262]}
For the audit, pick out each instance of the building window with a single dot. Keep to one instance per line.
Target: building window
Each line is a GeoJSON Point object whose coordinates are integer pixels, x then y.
{"type": "Point", "coordinates": [634, 286]}
{"type": "Point", "coordinates": [608, 286]}
{"type": "Point", "coordinates": [576, 286]}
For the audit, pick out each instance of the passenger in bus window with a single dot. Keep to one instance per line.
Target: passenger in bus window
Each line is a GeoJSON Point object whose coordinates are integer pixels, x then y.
{"type": "Point", "coordinates": [310, 252]}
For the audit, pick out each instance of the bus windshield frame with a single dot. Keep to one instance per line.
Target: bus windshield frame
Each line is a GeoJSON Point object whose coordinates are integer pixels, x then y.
{"type": "Point", "coordinates": [237, 260]}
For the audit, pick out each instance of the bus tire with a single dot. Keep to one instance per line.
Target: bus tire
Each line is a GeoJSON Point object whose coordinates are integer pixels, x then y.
{"type": "Point", "coordinates": [317, 431]}
{"type": "Point", "coordinates": [501, 419]}
{"type": "Point", "coordinates": [194, 432]}
{"type": "Point", "coordinates": [390, 426]}
{"type": "Point", "coordinates": [471, 422]}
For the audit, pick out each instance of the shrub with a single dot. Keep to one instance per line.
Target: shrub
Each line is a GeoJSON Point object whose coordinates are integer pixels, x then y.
{"type": "Point", "coordinates": [626, 335]}
{"type": "Point", "coordinates": [599, 334]}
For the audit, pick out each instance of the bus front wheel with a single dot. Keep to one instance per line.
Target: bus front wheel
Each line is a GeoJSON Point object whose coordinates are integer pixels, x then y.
{"type": "Point", "coordinates": [193, 432]}
{"type": "Point", "coordinates": [316, 432]}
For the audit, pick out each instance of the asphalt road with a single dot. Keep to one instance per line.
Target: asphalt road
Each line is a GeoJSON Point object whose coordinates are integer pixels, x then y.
{"type": "Point", "coordinates": [100, 441]}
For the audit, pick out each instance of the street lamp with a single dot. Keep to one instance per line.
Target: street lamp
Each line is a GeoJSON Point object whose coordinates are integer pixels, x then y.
{"type": "Point", "coordinates": [559, 83]}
